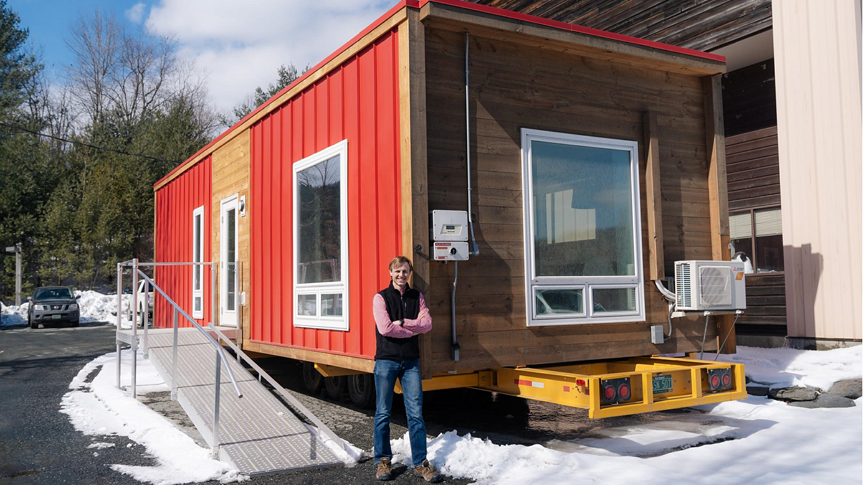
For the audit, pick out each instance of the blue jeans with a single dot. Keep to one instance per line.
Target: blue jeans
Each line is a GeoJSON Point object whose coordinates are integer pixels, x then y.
{"type": "Point", "coordinates": [408, 373]}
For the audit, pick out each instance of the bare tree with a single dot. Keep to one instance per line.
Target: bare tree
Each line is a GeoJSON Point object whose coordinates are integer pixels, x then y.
{"type": "Point", "coordinates": [96, 43]}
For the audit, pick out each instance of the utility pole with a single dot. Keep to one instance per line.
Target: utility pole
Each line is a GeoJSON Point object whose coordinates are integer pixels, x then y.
{"type": "Point", "coordinates": [17, 250]}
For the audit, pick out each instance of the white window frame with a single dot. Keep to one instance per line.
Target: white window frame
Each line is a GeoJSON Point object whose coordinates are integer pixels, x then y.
{"type": "Point", "coordinates": [588, 283]}
{"type": "Point", "coordinates": [198, 268]}
{"type": "Point", "coordinates": [342, 322]}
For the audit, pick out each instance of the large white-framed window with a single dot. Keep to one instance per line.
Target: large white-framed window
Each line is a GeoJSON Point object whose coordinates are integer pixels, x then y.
{"type": "Point", "coordinates": [582, 229]}
{"type": "Point", "coordinates": [320, 236]}
{"type": "Point", "coordinates": [198, 257]}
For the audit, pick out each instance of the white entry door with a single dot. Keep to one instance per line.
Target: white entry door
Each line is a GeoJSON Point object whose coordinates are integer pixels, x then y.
{"type": "Point", "coordinates": [228, 300]}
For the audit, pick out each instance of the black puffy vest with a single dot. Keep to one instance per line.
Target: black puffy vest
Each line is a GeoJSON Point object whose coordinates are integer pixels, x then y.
{"type": "Point", "coordinates": [399, 307]}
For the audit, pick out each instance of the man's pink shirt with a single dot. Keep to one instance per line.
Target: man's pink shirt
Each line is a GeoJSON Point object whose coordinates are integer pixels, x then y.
{"type": "Point", "coordinates": [410, 327]}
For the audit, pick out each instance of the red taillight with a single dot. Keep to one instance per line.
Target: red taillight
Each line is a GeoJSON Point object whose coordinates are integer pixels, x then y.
{"type": "Point", "coordinates": [609, 393]}
{"type": "Point", "coordinates": [580, 382]}
{"type": "Point", "coordinates": [623, 392]}
{"type": "Point", "coordinates": [714, 381]}
{"type": "Point", "coordinates": [726, 381]}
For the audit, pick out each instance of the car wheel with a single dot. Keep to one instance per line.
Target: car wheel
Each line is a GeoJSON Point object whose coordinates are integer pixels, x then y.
{"type": "Point", "coordinates": [34, 325]}
{"type": "Point", "coordinates": [312, 379]}
{"type": "Point", "coordinates": [76, 323]}
{"type": "Point", "coordinates": [335, 387]}
{"type": "Point", "coordinates": [361, 388]}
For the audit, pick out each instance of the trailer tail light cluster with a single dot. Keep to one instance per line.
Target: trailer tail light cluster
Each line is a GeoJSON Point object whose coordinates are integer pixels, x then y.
{"type": "Point", "coordinates": [616, 390]}
{"type": "Point", "coordinates": [719, 379]}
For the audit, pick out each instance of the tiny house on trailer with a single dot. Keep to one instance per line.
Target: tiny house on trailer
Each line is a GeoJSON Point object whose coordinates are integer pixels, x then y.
{"type": "Point", "coordinates": [584, 165]}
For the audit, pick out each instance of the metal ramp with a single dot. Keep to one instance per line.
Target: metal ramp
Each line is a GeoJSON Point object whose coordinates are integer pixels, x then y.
{"type": "Point", "coordinates": [258, 434]}
{"type": "Point", "coordinates": [243, 422]}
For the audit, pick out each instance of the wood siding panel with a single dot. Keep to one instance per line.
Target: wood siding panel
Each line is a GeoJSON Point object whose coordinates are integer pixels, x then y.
{"type": "Point", "coordinates": [175, 204]}
{"type": "Point", "coordinates": [231, 176]}
{"type": "Point", "coordinates": [358, 101]}
{"type": "Point", "coordinates": [515, 86]}
{"type": "Point", "coordinates": [819, 133]}
{"type": "Point", "coordinates": [753, 177]}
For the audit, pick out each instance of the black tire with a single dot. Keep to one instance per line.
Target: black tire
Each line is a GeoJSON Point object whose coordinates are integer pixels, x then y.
{"type": "Point", "coordinates": [361, 388]}
{"type": "Point", "coordinates": [33, 325]}
{"type": "Point", "coordinates": [75, 323]}
{"type": "Point", "coordinates": [312, 379]}
{"type": "Point", "coordinates": [336, 387]}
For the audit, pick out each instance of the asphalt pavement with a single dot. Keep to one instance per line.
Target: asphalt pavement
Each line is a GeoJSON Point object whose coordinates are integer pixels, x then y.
{"type": "Point", "coordinates": [38, 444]}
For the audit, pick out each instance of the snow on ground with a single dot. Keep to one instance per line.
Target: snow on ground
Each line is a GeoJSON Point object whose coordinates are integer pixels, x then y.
{"type": "Point", "coordinates": [753, 441]}
{"type": "Point", "coordinates": [94, 307]}
{"type": "Point", "coordinates": [98, 408]}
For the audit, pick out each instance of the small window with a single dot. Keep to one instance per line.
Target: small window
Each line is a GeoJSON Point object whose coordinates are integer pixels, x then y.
{"type": "Point", "coordinates": [582, 229]}
{"type": "Point", "coordinates": [321, 239]}
{"type": "Point", "coordinates": [198, 257]}
{"type": "Point", "coordinates": [763, 252]}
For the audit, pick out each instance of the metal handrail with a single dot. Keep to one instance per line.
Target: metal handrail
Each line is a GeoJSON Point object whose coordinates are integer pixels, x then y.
{"type": "Point", "coordinates": [220, 352]}
{"type": "Point", "coordinates": [285, 394]}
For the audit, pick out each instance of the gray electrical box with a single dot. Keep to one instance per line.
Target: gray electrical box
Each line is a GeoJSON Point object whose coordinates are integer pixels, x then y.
{"type": "Point", "coordinates": [449, 226]}
{"type": "Point", "coordinates": [657, 334]}
{"type": "Point", "coordinates": [449, 235]}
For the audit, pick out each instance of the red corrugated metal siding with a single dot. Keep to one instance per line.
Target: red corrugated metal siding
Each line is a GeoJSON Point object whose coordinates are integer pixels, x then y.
{"type": "Point", "coordinates": [175, 204]}
{"type": "Point", "coordinates": [359, 102]}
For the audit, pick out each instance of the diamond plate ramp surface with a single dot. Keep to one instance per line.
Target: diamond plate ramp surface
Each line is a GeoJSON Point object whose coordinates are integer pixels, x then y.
{"type": "Point", "coordinates": [257, 433]}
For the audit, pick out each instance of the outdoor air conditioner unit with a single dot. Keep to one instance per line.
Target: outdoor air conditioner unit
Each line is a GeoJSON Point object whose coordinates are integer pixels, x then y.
{"type": "Point", "coordinates": [709, 285]}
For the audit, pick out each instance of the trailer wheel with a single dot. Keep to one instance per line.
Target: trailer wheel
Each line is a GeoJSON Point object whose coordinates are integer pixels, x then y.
{"type": "Point", "coordinates": [312, 379]}
{"type": "Point", "coordinates": [335, 387]}
{"type": "Point", "coordinates": [361, 388]}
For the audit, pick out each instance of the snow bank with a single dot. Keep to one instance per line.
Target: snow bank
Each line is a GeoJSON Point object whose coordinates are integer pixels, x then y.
{"type": "Point", "coordinates": [94, 307]}
{"type": "Point", "coordinates": [98, 408]}
{"type": "Point", "coordinates": [753, 441]}
{"type": "Point", "coordinates": [789, 367]}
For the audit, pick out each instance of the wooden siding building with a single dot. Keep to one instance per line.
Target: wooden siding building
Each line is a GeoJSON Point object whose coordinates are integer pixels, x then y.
{"type": "Point", "coordinates": [307, 199]}
{"type": "Point", "coordinates": [815, 76]}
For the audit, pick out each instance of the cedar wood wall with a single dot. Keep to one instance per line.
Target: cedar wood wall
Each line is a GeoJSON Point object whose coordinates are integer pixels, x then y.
{"type": "Point", "coordinates": [515, 86]}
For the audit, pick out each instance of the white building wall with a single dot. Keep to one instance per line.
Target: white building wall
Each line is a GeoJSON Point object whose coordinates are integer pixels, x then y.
{"type": "Point", "coordinates": [818, 91]}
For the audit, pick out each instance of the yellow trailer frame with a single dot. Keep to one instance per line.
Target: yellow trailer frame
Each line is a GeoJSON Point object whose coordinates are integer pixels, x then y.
{"type": "Point", "coordinates": [580, 385]}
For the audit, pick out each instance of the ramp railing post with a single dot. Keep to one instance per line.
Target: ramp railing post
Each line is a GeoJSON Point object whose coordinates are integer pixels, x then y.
{"type": "Point", "coordinates": [215, 451]}
{"type": "Point", "coordinates": [134, 328]}
{"type": "Point", "coordinates": [213, 292]}
{"type": "Point", "coordinates": [174, 359]}
{"type": "Point", "coordinates": [119, 318]}
{"type": "Point", "coordinates": [146, 319]}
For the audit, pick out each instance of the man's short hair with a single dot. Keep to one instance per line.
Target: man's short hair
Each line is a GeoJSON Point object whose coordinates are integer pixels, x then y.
{"type": "Point", "coordinates": [400, 260]}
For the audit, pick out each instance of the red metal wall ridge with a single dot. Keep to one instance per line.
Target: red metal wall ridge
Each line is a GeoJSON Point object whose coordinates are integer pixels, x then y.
{"type": "Point", "coordinates": [175, 204]}
{"type": "Point", "coordinates": [357, 102]}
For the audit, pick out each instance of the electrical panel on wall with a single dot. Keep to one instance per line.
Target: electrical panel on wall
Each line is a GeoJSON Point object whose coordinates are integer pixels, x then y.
{"type": "Point", "coordinates": [450, 234]}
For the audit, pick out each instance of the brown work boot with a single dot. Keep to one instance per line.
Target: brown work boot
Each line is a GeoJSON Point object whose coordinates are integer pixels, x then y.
{"type": "Point", "coordinates": [427, 471]}
{"type": "Point", "coordinates": [385, 470]}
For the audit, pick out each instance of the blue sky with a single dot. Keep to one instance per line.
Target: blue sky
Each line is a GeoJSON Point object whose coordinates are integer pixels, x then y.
{"type": "Point", "coordinates": [48, 21]}
{"type": "Point", "coordinates": [235, 46]}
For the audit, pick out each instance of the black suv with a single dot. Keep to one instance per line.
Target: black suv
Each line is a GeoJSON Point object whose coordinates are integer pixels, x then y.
{"type": "Point", "coordinates": [55, 304]}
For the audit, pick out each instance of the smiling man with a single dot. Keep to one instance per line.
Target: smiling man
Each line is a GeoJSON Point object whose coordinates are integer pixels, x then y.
{"type": "Point", "coordinates": [400, 317]}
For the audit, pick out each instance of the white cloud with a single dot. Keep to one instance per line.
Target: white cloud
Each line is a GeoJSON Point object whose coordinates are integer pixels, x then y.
{"type": "Point", "coordinates": [241, 44]}
{"type": "Point", "coordinates": [136, 13]}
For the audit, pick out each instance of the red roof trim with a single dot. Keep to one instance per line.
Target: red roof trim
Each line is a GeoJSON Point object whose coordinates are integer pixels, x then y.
{"type": "Point", "coordinates": [498, 12]}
